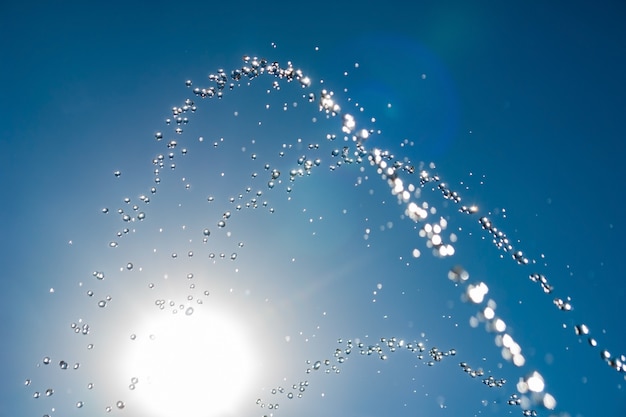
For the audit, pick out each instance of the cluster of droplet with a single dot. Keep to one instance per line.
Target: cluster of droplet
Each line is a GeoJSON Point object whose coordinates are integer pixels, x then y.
{"type": "Point", "coordinates": [63, 365]}
{"type": "Point", "coordinates": [345, 156]}
{"type": "Point", "coordinates": [490, 381]}
{"type": "Point", "coordinates": [80, 328]}
{"type": "Point", "coordinates": [127, 218]}
{"type": "Point", "coordinates": [476, 293]}
{"type": "Point", "coordinates": [381, 350]}
{"type": "Point", "coordinates": [408, 194]}
{"type": "Point", "coordinates": [511, 350]}
{"type": "Point", "coordinates": [501, 241]}
{"type": "Point", "coordinates": [175, 307]}
{"type": "Point", "coordinates": [543, 281]}
{"type": "Point", "coordinates": [616, 362]}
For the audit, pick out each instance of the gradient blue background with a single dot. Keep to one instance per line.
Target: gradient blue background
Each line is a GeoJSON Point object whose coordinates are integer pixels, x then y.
{"type": "Point", "coordinates": [540, 87]}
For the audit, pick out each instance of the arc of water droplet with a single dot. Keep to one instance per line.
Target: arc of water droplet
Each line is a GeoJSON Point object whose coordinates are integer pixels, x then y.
{"type": "Point", "coordinates": [388, 168]}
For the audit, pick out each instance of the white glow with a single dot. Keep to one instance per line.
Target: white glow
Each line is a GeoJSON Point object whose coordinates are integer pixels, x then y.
{"type": "Point", "coordinates": [194, 365]}
{"type": "Point", "coordinates": [549, 402]}
{"type": "Point", "coordinates": [535, 382]}
{"type": "Point", "coordinates": [398, 187]}
{"type": "Point", "coordinates": [500, 325]}
{"type": "Point", "coordinates": [477, 293]}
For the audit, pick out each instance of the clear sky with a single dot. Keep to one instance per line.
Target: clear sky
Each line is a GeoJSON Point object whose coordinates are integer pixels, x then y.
{"type": "Point", "coordinates": [518, 108]}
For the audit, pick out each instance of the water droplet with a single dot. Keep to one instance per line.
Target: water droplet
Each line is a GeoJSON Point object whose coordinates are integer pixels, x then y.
{"type": "Point", "coordinates": [120, 404]}
{"type": "Point", "coordinates": [102, 303]}
{"type": "Point", "coordinates": [49, 392]}
{"type": "Point", "coordinates": [46, 360]}
{"type": "Point", "coordinates": [189, 311]}
{"type": "Point", "coordinates": [80, 404]}
{"type": "Point", "coordinates": [63, 365]}
{"type": "Point", "coordinates": [581, 329]}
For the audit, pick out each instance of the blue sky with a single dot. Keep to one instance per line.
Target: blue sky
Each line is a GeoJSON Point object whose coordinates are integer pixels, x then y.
{"type": "Point", "coordinates": [520, 107]}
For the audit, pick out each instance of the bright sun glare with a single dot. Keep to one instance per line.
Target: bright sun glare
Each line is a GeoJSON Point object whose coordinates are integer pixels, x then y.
{"type": "Point", "coordinates": [197, 364]}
